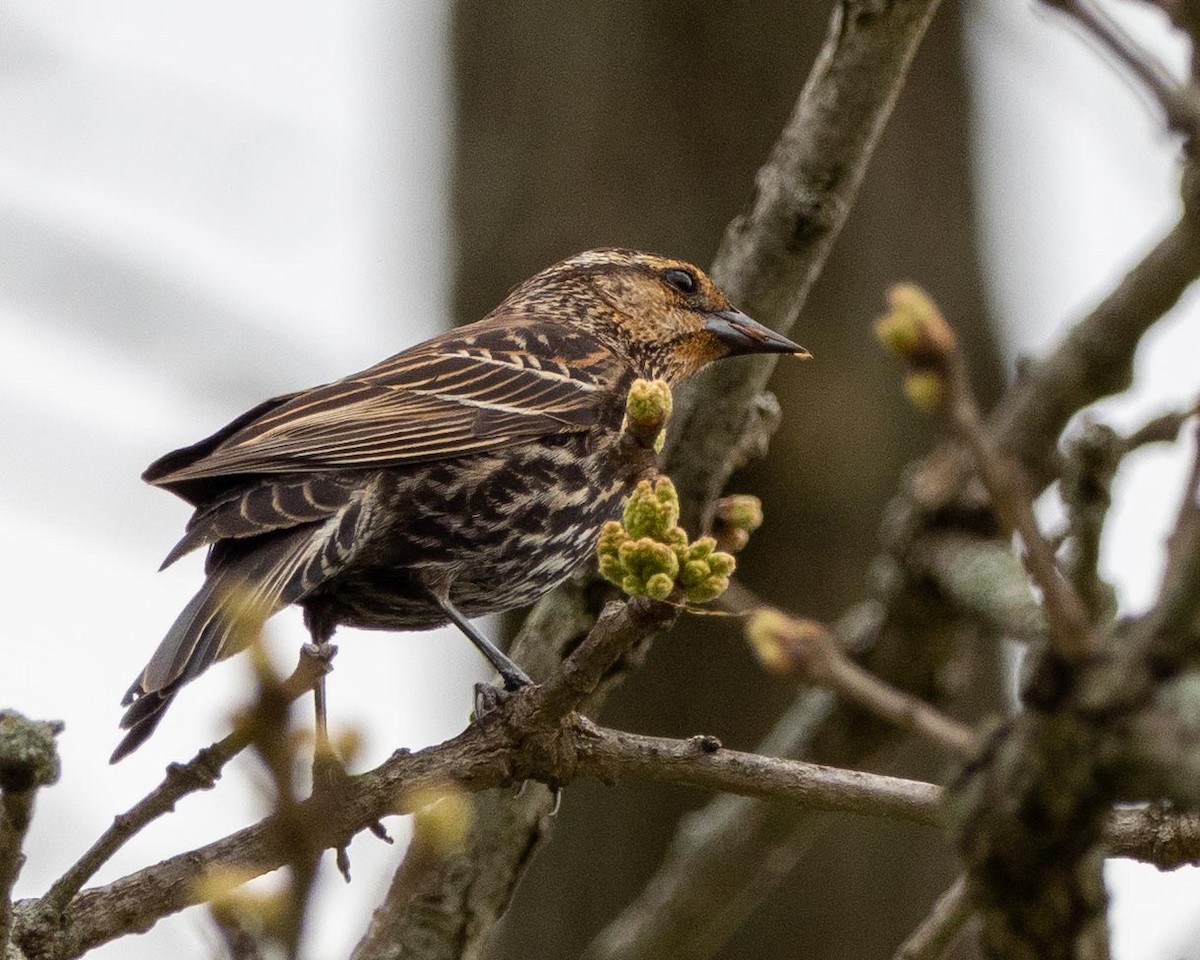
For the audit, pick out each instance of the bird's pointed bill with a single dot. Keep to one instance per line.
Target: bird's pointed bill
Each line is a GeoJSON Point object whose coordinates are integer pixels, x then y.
{"type": "Point", "coordinates": [743, 335]}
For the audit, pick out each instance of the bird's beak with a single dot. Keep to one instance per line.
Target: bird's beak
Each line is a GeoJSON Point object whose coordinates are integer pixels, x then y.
{"type": "Point", "coordinates": [743, 335]}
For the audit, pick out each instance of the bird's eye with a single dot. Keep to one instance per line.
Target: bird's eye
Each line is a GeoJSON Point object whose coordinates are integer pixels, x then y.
{"type": "Point", "coordinates": [682, 280]}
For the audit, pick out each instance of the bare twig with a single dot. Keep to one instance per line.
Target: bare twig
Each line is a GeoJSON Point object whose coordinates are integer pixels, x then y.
{"type": "Point", "coordinates": [1090, 463]}
{"type": "Point", "coordinates": [612, 755]}
{"type": "Point", "coordinates": [1162, 429]}
{"type": "Point", "coordinates": [811, 650]}
{"type": "Point", "coordinates": [1180, 102]}
{"type": "Point", "coordinates": [617, 629]}
{"type": "Point", "coordinates": [1011, 494]}
{"type": "Point", "coordinates": [939, 931]}
{"type": "Point", "coordinates": [199, 773]}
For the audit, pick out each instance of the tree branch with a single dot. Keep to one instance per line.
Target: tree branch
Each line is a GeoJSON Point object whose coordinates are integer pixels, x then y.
{"type": "Point", "coordinates": [28, 761]}
{"type": "Point", "coordinates": [939, 931]}
{"type": "Point", "coordinates": [773, 252]}
{"type": "Point", "coordinates": [1180, 102]}
{"type": "Point", "coordinates": [510, 743]}
{"type": "Point", "coordinates": [811, 650]}
{"type": "Point", "coordinates": [199, 773]}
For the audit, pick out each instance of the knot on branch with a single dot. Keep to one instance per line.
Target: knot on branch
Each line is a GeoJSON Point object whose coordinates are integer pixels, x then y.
{"type": "Point", "coordinates": [28, 753]}
{"type": "Point", "coordinates": [647, 553]}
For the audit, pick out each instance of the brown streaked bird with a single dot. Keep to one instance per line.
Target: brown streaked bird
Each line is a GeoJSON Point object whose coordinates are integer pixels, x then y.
{"type": "Point", "coordinates": [467, 475]}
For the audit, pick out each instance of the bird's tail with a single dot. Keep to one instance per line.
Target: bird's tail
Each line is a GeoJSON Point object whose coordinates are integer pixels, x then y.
{"type": "Point", "coordinates": [225, 616]}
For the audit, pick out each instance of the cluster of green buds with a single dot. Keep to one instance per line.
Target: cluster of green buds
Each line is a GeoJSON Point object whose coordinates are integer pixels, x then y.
{"type": "Point", "coordinates": [647, 553]}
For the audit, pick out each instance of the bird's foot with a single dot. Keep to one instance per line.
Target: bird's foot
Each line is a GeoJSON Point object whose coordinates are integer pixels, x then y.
{"type": "Point", "coordinates": [514, 678]}
{"type": "Point", "coordinates": [321, 653]}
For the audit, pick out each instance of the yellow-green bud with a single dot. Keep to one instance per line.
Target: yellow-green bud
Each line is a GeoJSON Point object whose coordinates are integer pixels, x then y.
{"type": "Point", "coordinates": [652, 510]}
{"type": "Point", "coordinates": [649, 403]}
{"type": "Point", "coordinates": [659, 586]}
{"type": "Point", "coordinates": [765, 630]}
{"type": "Point", "coordinates": [741, 511]}
{"type": "Point", "coordinates": [648, 555]}
{"type": "Point", "coordinates": [926, 390]}
{"type": "Point", "coordinates": [914, 327]}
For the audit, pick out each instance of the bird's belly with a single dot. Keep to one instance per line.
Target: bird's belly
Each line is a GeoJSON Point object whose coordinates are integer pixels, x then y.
{"type": "Point", "coordinates": [501, 530]}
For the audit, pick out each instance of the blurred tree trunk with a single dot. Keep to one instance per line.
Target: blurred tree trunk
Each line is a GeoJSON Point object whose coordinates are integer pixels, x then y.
{"type": "Point", "coordinates": [631, 124]}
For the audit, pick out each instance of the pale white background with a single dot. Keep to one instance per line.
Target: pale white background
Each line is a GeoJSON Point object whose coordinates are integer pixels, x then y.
{"type": "Point", "coordinates": [205, 204]}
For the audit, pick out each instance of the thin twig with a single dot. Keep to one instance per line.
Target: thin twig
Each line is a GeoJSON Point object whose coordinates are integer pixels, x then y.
{"type": "Point", "coordinates": [618, 627]}
{"type": "Point", "coordinates": [1010, 492]}
{"type": "Point", "coordinates": [1162, 429]}
{"type": "Point", "coordinates": [940, 930]}
{"type": "Point", "coordinates": [938, 380]}
{"type": "Point", "coordinates": [811, 650]}
{"type": "Point", "coordinates": [1090, 461]}
{"type": "Point", "coordinates": [1180, 102]}
{"type": "Point", "coordinates": [1169, 633]}
{"type": "Point", "coordinates": [199, 773]}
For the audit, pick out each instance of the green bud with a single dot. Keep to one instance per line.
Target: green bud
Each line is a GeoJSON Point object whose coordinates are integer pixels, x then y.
{"type": "Point", "coordinates": [659, 586]}
{"type": "Point", "coordinates": [649, 403]}
{"type": "Point", "coordinates": [926, 390]}
{"type": "Point", "coordinates": [741, 511]}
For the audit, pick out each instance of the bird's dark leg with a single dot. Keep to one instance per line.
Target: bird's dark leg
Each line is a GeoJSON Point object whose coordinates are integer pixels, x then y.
{"type": "Point", "coordinates": [324, 759]}
{"type": "Point", "coordinates": [321, 651]}
{"type": "Point", "coordinates": [514, 677]}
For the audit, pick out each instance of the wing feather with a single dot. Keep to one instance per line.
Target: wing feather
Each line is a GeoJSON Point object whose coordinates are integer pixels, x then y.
{"type": "Point", "coordinates": [467, 391]}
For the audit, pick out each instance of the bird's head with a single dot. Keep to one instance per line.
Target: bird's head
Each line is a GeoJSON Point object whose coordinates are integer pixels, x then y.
{"type": "Point", "coordinates": [666, 316]}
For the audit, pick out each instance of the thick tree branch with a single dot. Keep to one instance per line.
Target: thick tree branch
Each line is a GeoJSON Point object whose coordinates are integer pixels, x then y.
{"type": "Point", "coordinates": [510, 743]}
{"type": "Point", "coordinates": [492, 753]}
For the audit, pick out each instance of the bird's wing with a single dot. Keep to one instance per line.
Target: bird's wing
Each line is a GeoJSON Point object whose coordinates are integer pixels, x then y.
{"type": "Point", "coordinates": [476, 388]}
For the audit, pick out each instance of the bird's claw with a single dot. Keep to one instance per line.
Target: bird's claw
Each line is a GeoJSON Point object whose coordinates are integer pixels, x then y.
{"type": "Point", "coordinates": [379, 830]}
